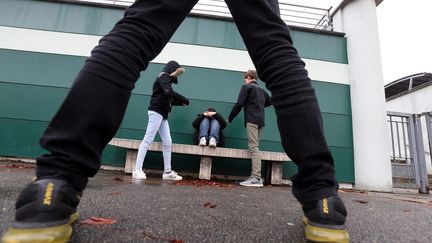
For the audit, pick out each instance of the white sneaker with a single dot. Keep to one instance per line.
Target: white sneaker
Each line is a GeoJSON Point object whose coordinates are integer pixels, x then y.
{"type": "Point", "coordinates": [252, 181]}
{"type": "Point", "coordinates": [203, 142]}
{"type": "Point", "coordinates": [139, 175]}
{"type": "Point", "coordinates": [212, 143]}
{"type": "Point", "coordinates": [171, 176]}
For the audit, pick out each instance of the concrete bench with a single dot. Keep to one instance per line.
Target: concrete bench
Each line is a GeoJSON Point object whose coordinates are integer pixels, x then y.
{"type": "Point", "coordinates": [276, 159]}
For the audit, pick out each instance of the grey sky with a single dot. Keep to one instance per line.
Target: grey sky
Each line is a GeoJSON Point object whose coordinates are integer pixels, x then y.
{"type": "Point", "coordinates": [406, 37]}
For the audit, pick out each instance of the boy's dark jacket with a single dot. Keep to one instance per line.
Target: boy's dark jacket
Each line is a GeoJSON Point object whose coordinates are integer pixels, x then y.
{"type": "Point", "coordinates": [196, 124]}
{"type": "Point", "coordinates": [163, 96]}
{"type": "Point", "coordinates": [253, 99]}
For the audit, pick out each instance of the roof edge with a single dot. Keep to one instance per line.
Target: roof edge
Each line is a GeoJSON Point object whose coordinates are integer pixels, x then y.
{"type": "Point", "coordinates": [345, 2]}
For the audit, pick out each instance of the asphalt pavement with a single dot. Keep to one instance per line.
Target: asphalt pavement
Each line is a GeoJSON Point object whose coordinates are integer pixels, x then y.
{"type": "Point", "coordinates": [197, 211]}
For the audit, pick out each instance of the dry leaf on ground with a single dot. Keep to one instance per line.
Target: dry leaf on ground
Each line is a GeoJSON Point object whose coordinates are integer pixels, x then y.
{"type": "Point", "coordinates": [99, 221]}
{"type": "Point", "coordinates": [117, 178]}
{"type": "Point", "coordinates": [360, 201]}
{"type": "Point", "coordinates": [209, 205]}
{"type": "Point", "coordinates": [200, 183]}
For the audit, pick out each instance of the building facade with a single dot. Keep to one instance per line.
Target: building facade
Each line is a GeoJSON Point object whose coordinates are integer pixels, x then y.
{"type": "Point", "coordinates": [44, 44]}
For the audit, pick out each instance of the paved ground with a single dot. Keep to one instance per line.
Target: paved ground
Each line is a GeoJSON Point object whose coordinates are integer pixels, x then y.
{"type": "Point", "coordinates": [156, 211]}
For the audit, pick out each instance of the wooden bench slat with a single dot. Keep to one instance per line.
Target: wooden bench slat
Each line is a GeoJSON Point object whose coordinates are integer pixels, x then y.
{"type": "Point", "coordinates": [206, 153]}
{"type": "Point", "coordinates": [203, 151]}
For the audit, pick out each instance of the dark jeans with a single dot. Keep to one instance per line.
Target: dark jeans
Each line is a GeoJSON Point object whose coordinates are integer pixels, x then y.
{"type": "Point", "coordinates": [96, 103]}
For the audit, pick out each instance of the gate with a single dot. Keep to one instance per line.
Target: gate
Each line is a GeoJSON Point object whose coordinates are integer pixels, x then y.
{"type": "Point", "coordinates": [407, 154]}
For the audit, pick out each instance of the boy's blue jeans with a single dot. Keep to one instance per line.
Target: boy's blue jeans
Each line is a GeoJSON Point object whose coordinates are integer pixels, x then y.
{"type": "Point", "coordinates": [209, 128]}
{"type": "Point", "coordinates": [95, 106]}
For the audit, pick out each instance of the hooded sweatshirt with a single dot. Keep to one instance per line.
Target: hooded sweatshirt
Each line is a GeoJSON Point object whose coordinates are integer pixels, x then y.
{"type": "Point", "coordinates": [163, 96]}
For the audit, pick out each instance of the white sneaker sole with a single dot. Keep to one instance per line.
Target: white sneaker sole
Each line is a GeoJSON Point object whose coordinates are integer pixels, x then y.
{"type": "Point", "coordinates": [139, 177]}
{"type": "Point", "coordinates": [252, 185]}
{"type": "Point", "coordinates": [173, 179]}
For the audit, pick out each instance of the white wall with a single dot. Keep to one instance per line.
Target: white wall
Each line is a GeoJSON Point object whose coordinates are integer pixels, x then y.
{"type": "Point", "coordinates": [416, 102]}
{"type": "Point", "coordinates": [370, 132]}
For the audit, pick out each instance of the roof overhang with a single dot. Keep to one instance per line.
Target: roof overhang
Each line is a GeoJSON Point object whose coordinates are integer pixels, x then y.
{"type": "Point", "coordinates": [345, 2]}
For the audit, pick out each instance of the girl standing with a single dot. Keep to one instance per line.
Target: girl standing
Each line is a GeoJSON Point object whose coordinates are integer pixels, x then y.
{"type": "Point", "coordinates": [162, 99]}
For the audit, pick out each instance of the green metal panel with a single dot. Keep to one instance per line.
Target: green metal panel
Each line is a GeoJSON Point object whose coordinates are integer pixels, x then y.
{"type": "Point", "coordinates": [213, 85]}
{"type": "Point", "coordinates": [344, 165]}
{"type": "Point", "coordinates": [21, 137]}
{"type": "Point", "coordinates": [40, 103]}
{"type": "Point", "coordinates": [29, 102]}
{"type": "Point", "coordinates": [321, 47]}
{"type": "Point", "coordinates": [91, 20]}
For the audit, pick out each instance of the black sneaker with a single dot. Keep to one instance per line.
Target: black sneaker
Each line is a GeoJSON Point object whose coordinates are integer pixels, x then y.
{"type": "Point", "coordinates": [45, 210]}
{"type": "Point", "coordinates": [325, 220]}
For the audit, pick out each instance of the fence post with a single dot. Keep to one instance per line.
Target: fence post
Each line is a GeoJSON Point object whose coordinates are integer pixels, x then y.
{"type": "Point", "coordinates": [428, 116]}
{"type": "Point", "coordinates": [420, 160]}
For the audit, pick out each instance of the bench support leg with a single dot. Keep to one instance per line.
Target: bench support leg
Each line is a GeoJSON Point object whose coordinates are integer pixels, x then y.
{"type": "Point", "coordinates": [205, 168]}
{"type": "Point", "coordinates": [276, 173]}
{"type": "Point", "coordinates": [130, 160]}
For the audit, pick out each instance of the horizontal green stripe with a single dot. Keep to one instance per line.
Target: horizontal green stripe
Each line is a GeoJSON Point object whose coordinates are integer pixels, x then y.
{"type": "Point", "coordinates": [21, 137]}
{"type": "Point", "coordinates": [93, 20]}
{"type": "Point", "coordinates": [197, 83]}
{"type": "Point", "coordinates": [40, 103]}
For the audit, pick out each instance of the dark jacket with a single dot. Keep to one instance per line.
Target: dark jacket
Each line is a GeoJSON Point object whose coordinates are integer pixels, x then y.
{"type": "Point", "coordinates": [163, 96]}
{"type": "Point", "coordinates": [196, 124]}
{"type": "Point", "coordinates": [253, 98]}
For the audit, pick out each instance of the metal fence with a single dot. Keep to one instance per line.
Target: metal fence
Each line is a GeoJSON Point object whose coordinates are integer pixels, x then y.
{"type": "Point", "coordinates": [428, 119]}
{"type": "Point", "coordinates": [407, 152]}
{"type": "Point", "coordinates": [292, 14]}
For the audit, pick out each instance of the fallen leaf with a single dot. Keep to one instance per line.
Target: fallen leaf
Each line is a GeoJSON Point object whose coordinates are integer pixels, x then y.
{"type": "Point", "coordinates": [346, 190]}
{"type": "Point", "coordinates": [117, 178]}
{"type": "Point", "coordinates": [209, 205]}
{"type": "Point", "coordinates": [406, 210]}
{"type": "Point", "coordinates": [21, 166]}
{"type": "Point", "coordinates": [361, 201]}
{"type": "Point", "coordinates": [114, 193]}
{"type": "Point", "coordinates": [176, 241]}
{"type": "Point", "coordinates": [200, 183]}
{"type": "Point", "coordinates": [99, 221]}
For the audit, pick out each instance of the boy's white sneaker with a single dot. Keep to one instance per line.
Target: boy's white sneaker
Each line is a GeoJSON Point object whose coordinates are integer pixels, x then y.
{"type": "Point", "coordinates": [171, 176]}
{"type": "Point", "coordinates": [203, 142]}
{"type": "Point", "coordinates": [212, 143]}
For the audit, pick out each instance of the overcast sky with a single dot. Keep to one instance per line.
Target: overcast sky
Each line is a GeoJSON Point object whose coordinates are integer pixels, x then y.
{"type": "Point", "coordinates": [406, 37]}
{"type": "Point", "coordinates": [405, 34]}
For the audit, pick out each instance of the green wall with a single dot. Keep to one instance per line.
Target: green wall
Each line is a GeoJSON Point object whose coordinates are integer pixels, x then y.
{"type": "Point", "coordinates": [33, 85]}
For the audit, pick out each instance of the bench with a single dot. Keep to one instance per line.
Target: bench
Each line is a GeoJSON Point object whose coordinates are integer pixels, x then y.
{"type": "Point", "coordinates": [274, 168]}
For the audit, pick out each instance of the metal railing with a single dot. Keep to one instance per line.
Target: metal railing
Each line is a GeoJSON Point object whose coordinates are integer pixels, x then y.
{"type": "Point", "coordinates": [292, 14]}
{"type": "Point", "coordinates": [407, 154]}
{"type": "Point", "coordinates": [400, 138]}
